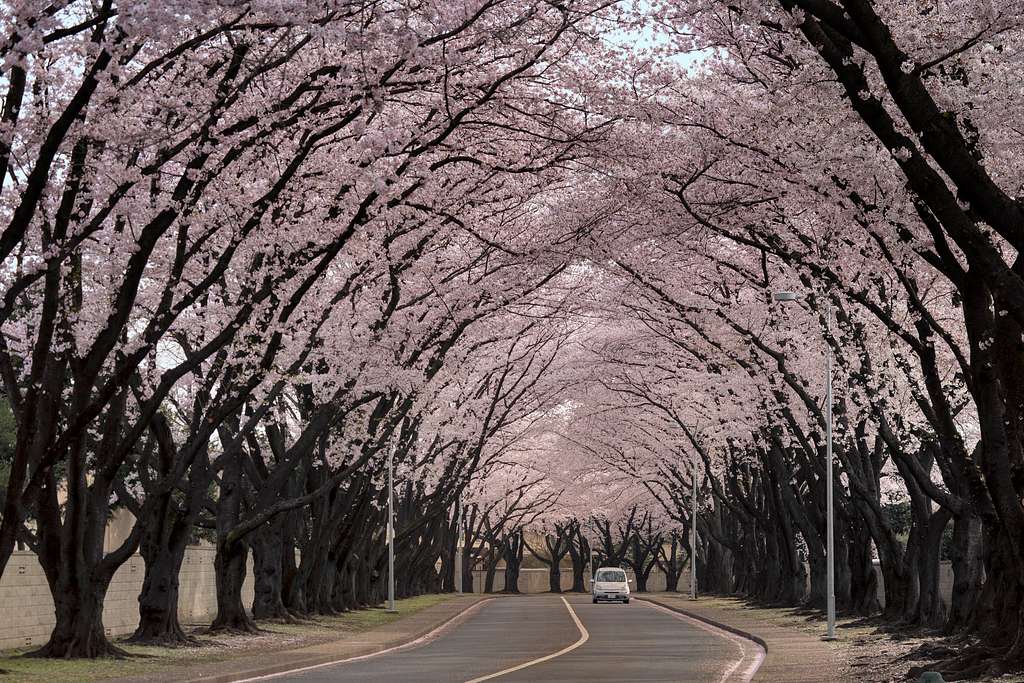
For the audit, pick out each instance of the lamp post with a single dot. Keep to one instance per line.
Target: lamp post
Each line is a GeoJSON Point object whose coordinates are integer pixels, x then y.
{"type": "Point", "coordinates": [458, 537]}
{"type": "Point", "coordinates": [593, 569]}
{"type": "Point", "coordinates": [391, 529]}
{"type": "Point", "coordinates": [830, 571]}
{"type": "Point", "coordinates": [693, 536]}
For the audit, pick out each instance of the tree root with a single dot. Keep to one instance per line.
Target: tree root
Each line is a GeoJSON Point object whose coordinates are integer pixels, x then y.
{"type": "Point", "coordinates": [239, 628]}
{"type": "Point", "coordinates": [94, 648]}
{"type": "Point", "coordinates": [232, 631]}
{"type": "Point", "coordinates": [171, 640]}
{"type": "Point", "coordinates": [280, 619]}
{"type": "Point", "coordinates": [975, 661]}
{"type": "Point", "coordinates": [930, 651]}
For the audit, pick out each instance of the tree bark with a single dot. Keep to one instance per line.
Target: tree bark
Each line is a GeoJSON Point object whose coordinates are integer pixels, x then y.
{"type": "Point", "coordinates": [268, 563]}
{"type": "Point", "coordinates": [78, 631]}
{"type": "Point", "coordinates": [931, 611]}
{"type": "Point", "coordinates": [230, 561]}
{"type": "Point", "coordinates": [513, 554]}
{"type": "Point", "coordinates": [966, 559]}
{"type": "Point", "coordinates": [579, 554]}
{"type": "Point", "coordinates": [158, 600]}
{"type": "Point", "coordinates": [230, 569]}
{"type": "Point", "coordinates": [492, 568]}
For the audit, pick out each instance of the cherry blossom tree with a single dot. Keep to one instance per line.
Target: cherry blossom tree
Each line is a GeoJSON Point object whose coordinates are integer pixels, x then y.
{"type": "Point", "coordinates": [248, 251]}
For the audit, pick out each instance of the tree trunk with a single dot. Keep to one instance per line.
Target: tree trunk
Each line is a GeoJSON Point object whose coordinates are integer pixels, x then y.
{"type": "Point", "coordinates": [842, 567]}
{"type": "Point", "coordinates": [900, 591]}
{"type": "Point", "coordinates": [158, 601]}
{"type": "Point", "coordinates": [816, 598]}
{"type": "Point", "coordinates": [78, 632]}
{"type": "Point", "coordinates": [863, 579]}
{"type": "Point", "coordinates": [930, 610]}
{"type": "Point", "coordinates": [295, 596]}
{"type": "Point", "coordinates": [555, 577]}
{"type": "Point", "coordinates": [579, 558]}
{"type": "Point", "coordinates": [966, 558]}
{"type": "Point", "coordinates": [450, 560]}
{"type": "Point", "coordinates": [267, 556]}
{"type": "Point", "coordinates": [511, 577]}
{"type": "Point", "coordinates": [318, 592]}
{"type": "Point", "coordinates": [492, 568]}
{"type": "Point", "coordinates": [466, 567]}
{"type": "Point", "coordinates": [230, 562]}
{"type": "Point", "coordinates": [230, 566]}
{"type": "Point", "coordinates": [513, 559]}
{"type": "Point", "coordinates": [672, 579]}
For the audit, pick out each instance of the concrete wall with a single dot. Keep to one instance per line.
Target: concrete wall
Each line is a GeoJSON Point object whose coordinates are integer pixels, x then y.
{"type": "Point", "coordinates": [945, 584]}
{"type": "Point", "coordinates": [26, 608]}
{"type": "Point", "coordinates": [536, 580]}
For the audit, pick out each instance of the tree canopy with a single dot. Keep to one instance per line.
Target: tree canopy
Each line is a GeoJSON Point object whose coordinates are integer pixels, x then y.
{"type": "Point", "coordinates": [531, 249]}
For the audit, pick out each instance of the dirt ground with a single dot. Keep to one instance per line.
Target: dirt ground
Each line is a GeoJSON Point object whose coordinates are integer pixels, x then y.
{"type": "Point", "coordinates": [869, 651]}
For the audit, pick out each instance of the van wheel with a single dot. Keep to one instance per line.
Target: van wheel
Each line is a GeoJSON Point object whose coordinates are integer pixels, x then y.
{"type": "Point", "coordinates": [595, 601]}
{"type": "Point", "coordinates": [626, 601]}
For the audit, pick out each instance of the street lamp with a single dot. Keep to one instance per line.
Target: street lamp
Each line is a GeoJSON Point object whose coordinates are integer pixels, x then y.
{"type": "Point", "coordinates": [693, 536]}
{"type": "Point", "coordinates": [593, 569]}
{"type": "Point", "coordinates": [830, 572]}
{"type": "Point", "coordinates": [391, 529]}
{"type": "Point", "coordinates": [458, 538]}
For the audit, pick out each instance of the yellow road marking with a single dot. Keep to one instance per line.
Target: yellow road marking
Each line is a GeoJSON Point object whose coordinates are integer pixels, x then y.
{"type": "Point", "coordinates": [584, 637]}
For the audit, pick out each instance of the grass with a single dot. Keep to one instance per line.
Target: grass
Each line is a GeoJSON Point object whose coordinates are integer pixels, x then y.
{"type": "Point", "coordinates": [357, 622]}
{"type": "Point", "coordinates": [149, 660]}
{"type": "Point", "coordinates": [144, 660]}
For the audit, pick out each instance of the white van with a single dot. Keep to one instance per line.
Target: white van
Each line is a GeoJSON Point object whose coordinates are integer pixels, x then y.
{"type": "Point", "coordinates": [610, 584]}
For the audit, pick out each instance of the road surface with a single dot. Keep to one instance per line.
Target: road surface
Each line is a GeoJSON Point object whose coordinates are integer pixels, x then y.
{"type": "Point", "coordinates": [548, 638]}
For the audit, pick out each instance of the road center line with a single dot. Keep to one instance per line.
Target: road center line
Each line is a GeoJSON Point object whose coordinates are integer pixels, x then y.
{"type": "Point", "coordinates": [441, 629]}
{"type": "Point", "coordinates": [584, 637]}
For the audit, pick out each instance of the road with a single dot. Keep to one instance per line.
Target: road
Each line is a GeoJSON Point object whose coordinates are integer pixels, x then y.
{"type": "Point", "coordinates": [548, 638]}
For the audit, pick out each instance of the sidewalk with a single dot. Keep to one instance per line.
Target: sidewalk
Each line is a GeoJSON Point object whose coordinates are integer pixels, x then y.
{"type": "Point", "coordinates": [395, 634]}
{"type": "Point", "coordinates": [792, 656]}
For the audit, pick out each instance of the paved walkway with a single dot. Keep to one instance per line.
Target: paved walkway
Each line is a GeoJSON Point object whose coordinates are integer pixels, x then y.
{"type": "Point", "coordinates": [792, 656]}
{"type": "Point", "coordinates": [400, 632]}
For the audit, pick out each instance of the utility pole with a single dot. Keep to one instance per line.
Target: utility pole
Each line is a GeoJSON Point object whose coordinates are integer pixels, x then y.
{"type": "Point", "coordinates": [693, 535]}
{"type": "Point", "coordinates": [458, 538]}
{"type": "Point", "coordinates": [830, 545]}
{"type": "Point", "coordinates": [593, 569]}
{"type": "Point", "coordinates": [830, 503]}
{"type": "Point", "coordinates": [391, 528]}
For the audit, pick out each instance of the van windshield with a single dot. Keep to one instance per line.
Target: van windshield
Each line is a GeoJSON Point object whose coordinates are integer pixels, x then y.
{"type": "Point", "coordinates": [616, 575]}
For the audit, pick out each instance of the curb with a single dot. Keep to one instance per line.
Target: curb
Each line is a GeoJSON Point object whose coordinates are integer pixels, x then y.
{"type": "Point", "coordinates": [315, 661]}
{"type": "Point", "coordinates": [711, 622]}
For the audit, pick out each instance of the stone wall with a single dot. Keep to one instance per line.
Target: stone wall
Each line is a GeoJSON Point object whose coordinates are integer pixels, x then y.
{"type": "Point", "coordinates": [26, 609]}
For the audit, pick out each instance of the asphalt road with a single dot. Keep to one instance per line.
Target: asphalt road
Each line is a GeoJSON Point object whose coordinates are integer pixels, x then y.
{"type": "Point", "coordinates": [635, 642]}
